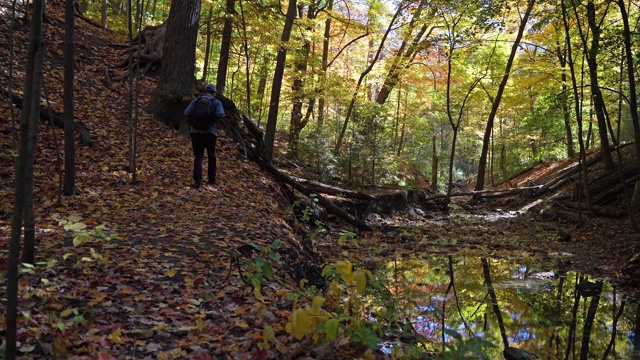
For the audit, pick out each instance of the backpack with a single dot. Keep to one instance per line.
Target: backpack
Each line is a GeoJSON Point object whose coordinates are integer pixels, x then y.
{"type": "Point", "coordinates": [202, 117]}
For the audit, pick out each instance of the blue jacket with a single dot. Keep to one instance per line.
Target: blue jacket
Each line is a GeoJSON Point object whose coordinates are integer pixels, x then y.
{"type": "Point", "coordinates": [218, 111]}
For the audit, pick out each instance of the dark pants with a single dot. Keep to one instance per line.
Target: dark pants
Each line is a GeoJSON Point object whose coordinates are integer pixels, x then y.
{"type": "Point", "coordinates": [200, 142]}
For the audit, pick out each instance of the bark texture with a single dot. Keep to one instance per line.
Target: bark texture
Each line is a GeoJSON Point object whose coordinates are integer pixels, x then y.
{"type": "Point", "coordinates": [178, 63]}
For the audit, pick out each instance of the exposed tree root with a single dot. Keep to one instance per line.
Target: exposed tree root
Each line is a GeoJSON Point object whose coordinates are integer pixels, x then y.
{"type": "Point", "coordinates": [147, 48]}
{"type": "Point", "coordinates": [47, 114]}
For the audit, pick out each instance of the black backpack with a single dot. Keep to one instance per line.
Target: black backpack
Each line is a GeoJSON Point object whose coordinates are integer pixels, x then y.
{"type": "Point", "coordinates": [202, 117]}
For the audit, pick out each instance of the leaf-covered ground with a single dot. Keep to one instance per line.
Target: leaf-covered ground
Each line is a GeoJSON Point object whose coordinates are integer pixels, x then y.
{"type": "Point", "coordinates": [151, 273]}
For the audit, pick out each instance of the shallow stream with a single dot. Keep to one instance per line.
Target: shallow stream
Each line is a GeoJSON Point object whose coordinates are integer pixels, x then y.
{"type": "Point", "coordinates": [465, 306]}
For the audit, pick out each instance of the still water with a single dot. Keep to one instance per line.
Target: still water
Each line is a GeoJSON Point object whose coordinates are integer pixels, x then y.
{"type": "Point", "coordinates": [475, 308]}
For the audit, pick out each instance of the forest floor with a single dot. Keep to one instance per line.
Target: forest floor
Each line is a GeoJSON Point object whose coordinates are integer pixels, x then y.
{"type": "Point", "coordinates": [147, 270]}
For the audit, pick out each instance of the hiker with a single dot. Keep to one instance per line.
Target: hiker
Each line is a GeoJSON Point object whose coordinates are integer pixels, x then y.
{"type": "Point", "coordinates": [202, 115]}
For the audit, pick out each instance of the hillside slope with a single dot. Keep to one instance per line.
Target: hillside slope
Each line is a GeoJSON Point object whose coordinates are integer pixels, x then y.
{"type": "Point", "coordinates": [156, 267]}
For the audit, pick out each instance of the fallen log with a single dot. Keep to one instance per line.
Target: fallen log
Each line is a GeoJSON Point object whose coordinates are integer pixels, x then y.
{"type": "Point", "coordinates": [599, 210]}
{"type": "Point", "coordinates": [50, 115]}
{"type": "Point", "coordinates": [330, 206]}
{"type": "Point", "coordinates": [80, 15]}
{"type": "Point", "coordinates": [487, 193]}
{"type": "Point", "coordinates": [253, 146]}
{"type": "Point", "coordinates": [332, 190]}
{"type": "Point", "coordinates": [609, 186]}
{"type": "Point", "coordinates": [563, 176]}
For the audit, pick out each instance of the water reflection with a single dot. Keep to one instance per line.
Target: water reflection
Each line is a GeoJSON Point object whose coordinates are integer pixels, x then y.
{"type": "Point", "coordinates": [486, 306]}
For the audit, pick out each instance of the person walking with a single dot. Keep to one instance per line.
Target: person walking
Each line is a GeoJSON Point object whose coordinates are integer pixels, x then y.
{"type": "Point", "coordinates": [202, 115]}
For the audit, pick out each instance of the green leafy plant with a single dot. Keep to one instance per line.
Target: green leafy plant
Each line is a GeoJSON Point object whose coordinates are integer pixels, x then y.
{"type": "Point", "coordinates": [261, 267]}
{"type": "Point", "coordinates": [330, 315]}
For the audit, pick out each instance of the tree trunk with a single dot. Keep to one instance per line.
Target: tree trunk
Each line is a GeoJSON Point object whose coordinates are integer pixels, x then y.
{"type": "Point", "coordinates": [28, 136]}
{"type": "Point", "coordinates": [178, 63]}
{"type": "Point", "coordinates": [276, 85]}
{"type": "Point", "coordinates": [297, 123]}
{"type": "Point", "coordinates": [577, 101]}
{"type": "Point", "coordinates": [247, 60]}
{"type": "Point", "coordinates": [69, 129]}
{"type": "Point", "coordinates": [588, 322]}
{"type": "Point", "coordinates": [633, 99]}
{"type": "Point", "coordinates": [207, 50]}
{"type": "Point", "coordinates": [104, 13]}
{"type": "Point", "coordinates": [571, 152]}
{"type": "Point", "coordinates": [150, 54]}
{"type": "Point", "coordinates": [482, 165]}
{"type": "Point", "coordinates": [598, 99]}
{"type": "Point", "coordinates": [325, 62]}
{"type": "Point", "coordinates": [225, 47]}
{"type": "Point", "coordinates": [494, 301]}
{"type": "Point", "coordinates": [434, 165]}
{"type": "Point", "coordinates": [262, 87]}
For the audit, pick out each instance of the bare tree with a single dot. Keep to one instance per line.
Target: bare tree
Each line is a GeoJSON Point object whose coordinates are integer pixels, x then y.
{"type": "Point", "coordinates": [69, 187]}
{"type": "Point", "coordinates": [26, 154]}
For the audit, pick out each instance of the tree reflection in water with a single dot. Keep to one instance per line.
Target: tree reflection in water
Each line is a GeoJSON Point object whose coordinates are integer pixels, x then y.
{"type": "Point", "coordinates": [495, 305]}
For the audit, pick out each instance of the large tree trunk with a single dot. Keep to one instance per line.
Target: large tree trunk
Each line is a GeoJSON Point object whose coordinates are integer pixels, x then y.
{"type": "Point", "coordinates": [178, 64]}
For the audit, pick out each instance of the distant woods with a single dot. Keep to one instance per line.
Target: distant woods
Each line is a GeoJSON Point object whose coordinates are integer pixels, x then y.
{"type": "Point", "coordinates": [365, 94]}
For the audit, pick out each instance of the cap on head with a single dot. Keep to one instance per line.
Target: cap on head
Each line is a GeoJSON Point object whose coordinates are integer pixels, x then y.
{"type": "Point", "coordinates": [210, 88]}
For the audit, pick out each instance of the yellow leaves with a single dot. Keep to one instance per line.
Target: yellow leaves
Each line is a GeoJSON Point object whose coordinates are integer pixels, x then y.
{"type": "Point", "coordinates": [344, 268]}
{"type": "Point", "coordinates": [361, 280]}
{"type": "Point", "coordinates": [332, 328]}
{"type": "Point", "coordinates": [336, 288]}
{"type": "Point", "coordinates": [268, 336]}
{"type": "Point", "coordinates": [317, 303]}
{"type": "Point", "coordinates": [301, 324]}
{"type": "Point", "coordinates": [115, 337]}
{"type": "Point", "coordinates": [258, 294]}
{"type": "Point", "coordinates": [171, 273]}
{"type": "Point", "coordinates": [304, 321]}
{"type": "Point", "coordinates": [60, 345]}
{"type": "Point", "coordinates": [201, 324]}
{"type": "Point", "coordinates": [81, 238]}
{"type": "Point", "coordinates": [79, 226]}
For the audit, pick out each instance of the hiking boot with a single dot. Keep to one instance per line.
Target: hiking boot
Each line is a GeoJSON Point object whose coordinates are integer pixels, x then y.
{"type": "Point", "coordinates": [196, 185]}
